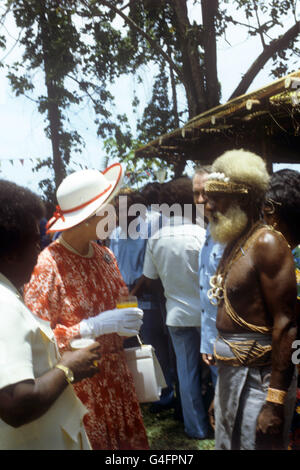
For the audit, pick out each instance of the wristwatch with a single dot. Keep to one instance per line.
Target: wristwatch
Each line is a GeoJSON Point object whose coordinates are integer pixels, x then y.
{"type": "Point", "coordinates": [68, 373]}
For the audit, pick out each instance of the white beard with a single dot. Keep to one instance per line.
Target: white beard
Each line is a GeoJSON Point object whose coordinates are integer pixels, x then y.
{"type": "Point", "coordinates": [225, 228]}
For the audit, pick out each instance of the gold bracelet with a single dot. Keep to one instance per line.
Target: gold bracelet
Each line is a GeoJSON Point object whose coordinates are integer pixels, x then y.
{"type": "Point", "coordinates": [276, 396]}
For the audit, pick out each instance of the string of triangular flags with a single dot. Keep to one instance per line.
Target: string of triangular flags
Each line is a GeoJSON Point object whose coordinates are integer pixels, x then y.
{"type": "Point", "coordinates": [21, 160]}
{"type": "Point", "coordinates": [12, 161]}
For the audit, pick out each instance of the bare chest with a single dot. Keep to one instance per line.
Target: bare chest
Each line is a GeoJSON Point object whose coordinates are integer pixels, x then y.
{"type": "Point", "coordinates": [242, 296]}
{"type": "Point", "coordinates": [241, 281]}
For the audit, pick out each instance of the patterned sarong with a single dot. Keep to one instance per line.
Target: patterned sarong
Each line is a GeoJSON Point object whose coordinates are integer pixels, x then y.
{"type": "Point", "coordinates": [240, 394]}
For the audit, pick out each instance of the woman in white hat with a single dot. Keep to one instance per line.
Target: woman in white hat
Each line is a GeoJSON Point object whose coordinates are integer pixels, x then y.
{"type": "Point", "coordinates": [75, 286]}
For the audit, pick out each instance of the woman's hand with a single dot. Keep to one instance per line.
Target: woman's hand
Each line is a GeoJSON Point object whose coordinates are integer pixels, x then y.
{"type": "Point", "coordinates": [124, 321]}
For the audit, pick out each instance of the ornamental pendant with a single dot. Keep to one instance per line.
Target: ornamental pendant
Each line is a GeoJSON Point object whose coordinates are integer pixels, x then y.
{"type": "Point", "coordinates": [216, 293]}
{"type": "Point", "coordinates": [107, 258]}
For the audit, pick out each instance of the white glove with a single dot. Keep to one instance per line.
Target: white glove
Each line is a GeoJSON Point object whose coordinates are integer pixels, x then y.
{"type": "Point", "coordinates": [124, 321]}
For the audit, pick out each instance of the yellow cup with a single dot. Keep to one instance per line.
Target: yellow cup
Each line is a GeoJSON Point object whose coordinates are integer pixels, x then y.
{"type": "Point", "coordinates": [127, 301]}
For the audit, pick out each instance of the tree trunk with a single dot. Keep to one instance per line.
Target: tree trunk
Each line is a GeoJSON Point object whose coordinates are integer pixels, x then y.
{"type": "Point", "coordinates": [193, 79]}
{"type": "Point", "coordinates": [54, 115]}
{"type": "Point", "coordinates": [55, 126]}
{"type": "Point", "coordinates": [209, 11]}
{"type": "Point", "coordinates": [179, 168]}
{"type": "Point", "coordinates": [174, 96]}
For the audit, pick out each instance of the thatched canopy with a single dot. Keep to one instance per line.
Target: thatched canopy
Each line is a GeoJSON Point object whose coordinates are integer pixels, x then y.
{"type": "Point", "coordinates": [265, 121]}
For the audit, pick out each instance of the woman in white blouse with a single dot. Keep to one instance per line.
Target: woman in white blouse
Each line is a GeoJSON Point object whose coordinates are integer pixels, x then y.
{"type": "Point", "coordinates": [38, 407]}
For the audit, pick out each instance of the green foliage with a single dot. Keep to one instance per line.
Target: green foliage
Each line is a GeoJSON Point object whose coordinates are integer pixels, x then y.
{"type": "Point", "coordinates": [272, 11]}
{"type": "Point", "coordinates": [137, 171]}
{"type": "Point", "coordinates": [47, 184]}
{"type": "Point", "coordinates": [2, 41]}
{"type": "Point", "coordinates": [158, 118]}
{"type": "Point", "coordinates": [81, 49]}
{"type": "Point", "coordinates": [20, 84]}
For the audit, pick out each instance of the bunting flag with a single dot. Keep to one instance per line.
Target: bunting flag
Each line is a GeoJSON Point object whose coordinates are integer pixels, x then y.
{"type": "Point", "coordinates": [21, 160]}
{"type": "Point", "coordinates": [32, 161]}
{"type": "Point", "coordinates": [158, 174]}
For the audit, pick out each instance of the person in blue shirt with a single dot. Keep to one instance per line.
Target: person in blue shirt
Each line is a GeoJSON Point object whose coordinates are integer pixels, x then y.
{"type": "Point", "coordinates": [209, 259]}
{"type": "Point", "coordinates": [129, 250]}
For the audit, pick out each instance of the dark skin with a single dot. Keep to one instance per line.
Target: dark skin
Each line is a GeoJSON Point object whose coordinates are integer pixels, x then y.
{"type": "Point", "coordinates": [28, 400]}
{"type": "Point", "coordinates": [25, 401]}
{"type": "Point", "coordinates": [146, 284]}
{"type": "Point", "coordinates": [280, 225]}
{"type": "Point", "coordinates": [292, 239]}
{"type": "Point", "coordinates": [261, 287]}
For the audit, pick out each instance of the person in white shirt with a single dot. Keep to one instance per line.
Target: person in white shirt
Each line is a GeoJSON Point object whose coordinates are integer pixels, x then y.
{"type": "Point", "coordinates": [172, 255]}
{"type": "Point", "coordinates": [38, 407]}
{"type": "Point", "coordinates": [129, 247]}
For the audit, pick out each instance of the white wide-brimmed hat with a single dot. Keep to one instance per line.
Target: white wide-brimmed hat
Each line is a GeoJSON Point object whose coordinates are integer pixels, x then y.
{"type": "Point", "coordinates": [82, 194]}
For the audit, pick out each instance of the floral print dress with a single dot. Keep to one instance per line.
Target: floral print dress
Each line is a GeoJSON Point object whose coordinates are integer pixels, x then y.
{"type": "Point", "coordinates": [64, 289]}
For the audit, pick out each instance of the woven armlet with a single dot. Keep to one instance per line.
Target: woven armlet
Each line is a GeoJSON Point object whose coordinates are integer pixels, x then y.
{"type": "Point", "coordinates": [276, 396]}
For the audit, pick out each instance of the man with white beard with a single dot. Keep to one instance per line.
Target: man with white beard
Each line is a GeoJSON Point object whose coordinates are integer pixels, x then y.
{"type": "Point", "coordinates": [255, 290]}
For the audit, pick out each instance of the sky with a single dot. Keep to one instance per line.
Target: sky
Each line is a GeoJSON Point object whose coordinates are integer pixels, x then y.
{"type": "Point", "coordinates": [23, 141]}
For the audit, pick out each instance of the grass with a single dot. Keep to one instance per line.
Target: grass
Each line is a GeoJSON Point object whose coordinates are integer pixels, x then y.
{"type": "Point", "coordinates": [166, 433]}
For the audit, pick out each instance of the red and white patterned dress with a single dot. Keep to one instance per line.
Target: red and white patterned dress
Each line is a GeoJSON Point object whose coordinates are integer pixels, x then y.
{"type": "Point", "coordinates": [66, 288]}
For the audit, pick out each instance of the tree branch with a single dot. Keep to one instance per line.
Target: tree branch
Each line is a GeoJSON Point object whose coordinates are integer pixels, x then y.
{"type": "Point", "coordinates": [125, 6]}
{"type": "Point", "coordinates": [294, 7]}
{"type": "Point", "coordinates": [79, 83]}
{"type": "Point", "coordinates": [247, 25]}
{"type": "Point", "coordinates": [3, 16]}
{"type": "Point", "coordinates": [12, 47]}
{"type": "Point", "coordinates": [277, 45]}
{"type": "Point", "coordinates": [148, 38]}
{"type": "Point", "coordinates": [259, 25]}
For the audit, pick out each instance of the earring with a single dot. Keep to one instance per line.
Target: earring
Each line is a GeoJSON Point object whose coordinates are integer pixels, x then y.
{"type": "Point", "coordinates": [274, 225]}
{"type": "Point", "coordinates": [271, 208]}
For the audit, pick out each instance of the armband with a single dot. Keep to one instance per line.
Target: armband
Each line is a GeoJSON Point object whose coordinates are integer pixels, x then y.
{"type": "Point", "coordinates": [276, 396]}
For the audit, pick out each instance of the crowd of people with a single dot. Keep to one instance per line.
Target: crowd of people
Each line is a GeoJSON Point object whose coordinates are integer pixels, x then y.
{"type": "Point", "coordinates": [214, 261]}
